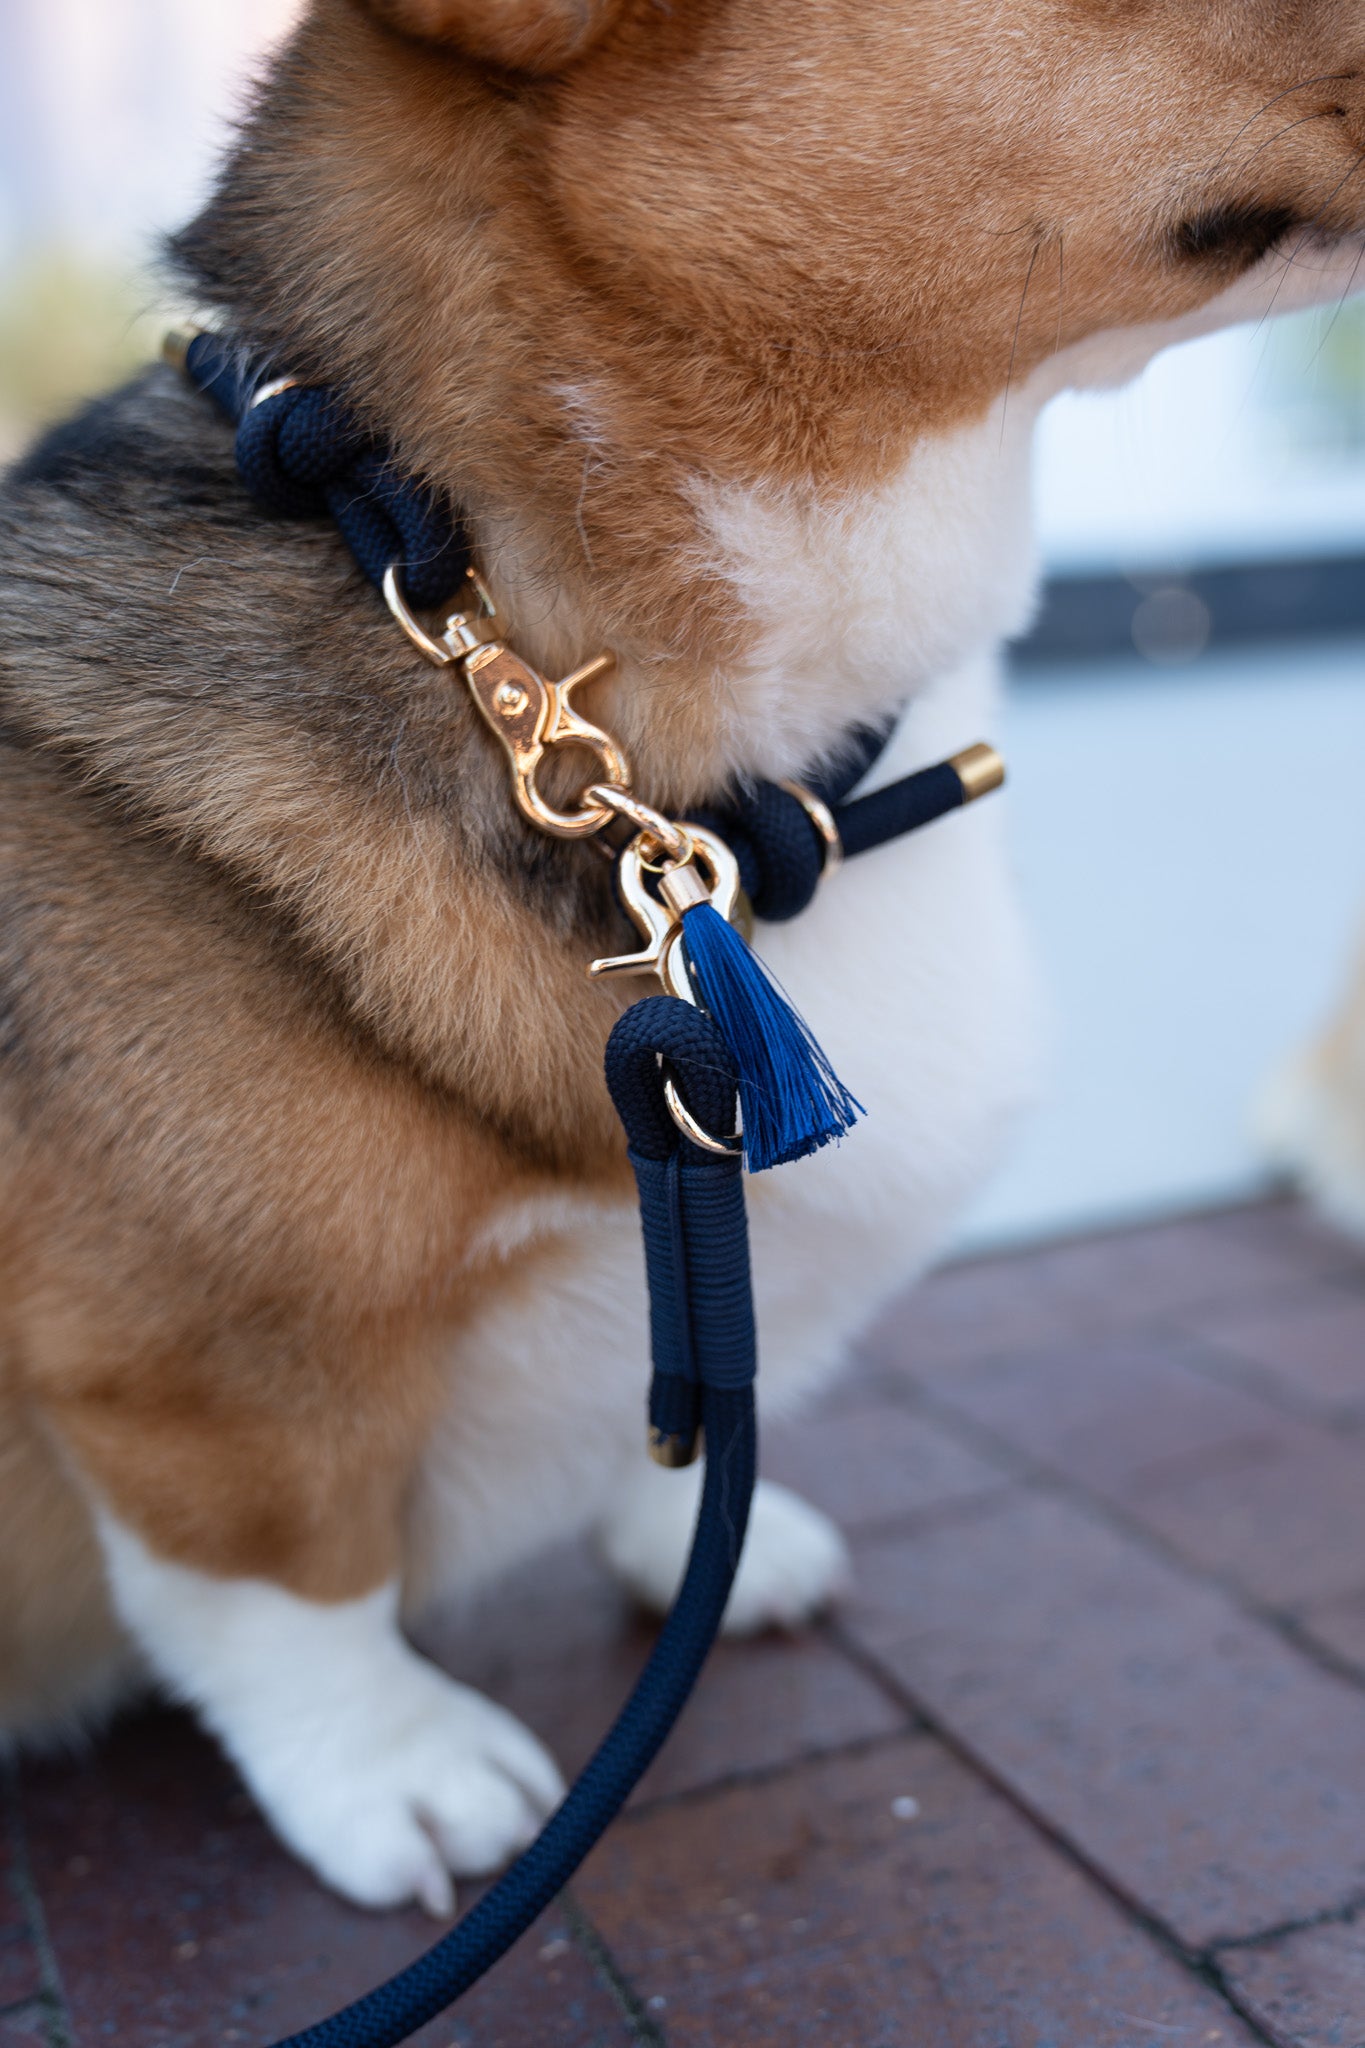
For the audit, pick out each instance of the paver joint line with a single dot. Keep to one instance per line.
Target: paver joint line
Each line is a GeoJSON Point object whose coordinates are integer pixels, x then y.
{"type": "Point", "coordinates": [1292, 1628]}
{"type": "Point", "coordinates": [609, 1974]}
{"type": "Point", "coordinates": [1201, 1964]}
{"type": "Point", "coordinates": [792, 1766]}
{"type": "Point", "coordinates": [57, 2025]}
{"type": "Point", "coordinates": [1344, 1915]}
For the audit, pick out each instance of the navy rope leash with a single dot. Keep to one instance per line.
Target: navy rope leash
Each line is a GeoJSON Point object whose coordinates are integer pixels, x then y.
{"type": "Point", "coordinates": [693, 1210]}
{"type": "Point", "coordinates": [300, 453]}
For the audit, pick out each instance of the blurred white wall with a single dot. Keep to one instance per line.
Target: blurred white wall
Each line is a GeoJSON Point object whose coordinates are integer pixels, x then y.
{"type": "Point", "coordinates": [1249, 444]}
{"type": "Point", "coordinates": [112, 113]}
{"type": "Point", "coordinates": [1190, 848]}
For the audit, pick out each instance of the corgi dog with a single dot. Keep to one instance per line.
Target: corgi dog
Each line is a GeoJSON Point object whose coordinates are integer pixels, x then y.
{"type": "Point", "coordinates": [723, 325]}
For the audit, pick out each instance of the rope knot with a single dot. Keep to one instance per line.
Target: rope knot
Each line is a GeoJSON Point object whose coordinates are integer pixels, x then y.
{"type": "Point", "coordinates": [301, 455]}
{"type": "Point", "coordinates": [292, 446]}
{"type": "Point", "coordinates": [780, 853]}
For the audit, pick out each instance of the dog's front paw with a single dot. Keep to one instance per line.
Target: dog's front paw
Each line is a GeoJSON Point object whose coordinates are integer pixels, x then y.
{"type": "Point", "coordinates": [427, 1779]}
{"type": "Point", "coordinates": [795, 1564]}
{"type": "Point", "coordinates": [795, 1561]}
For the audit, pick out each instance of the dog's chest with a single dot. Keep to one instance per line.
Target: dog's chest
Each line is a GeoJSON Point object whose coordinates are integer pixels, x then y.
{"type": "Point", "coordinates": [911, 968]}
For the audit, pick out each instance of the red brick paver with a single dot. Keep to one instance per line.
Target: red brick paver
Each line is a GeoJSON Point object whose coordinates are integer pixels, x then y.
{"type": "Point", "coordinates": [177, 1921]}
{"type": "Point", "coordinates": [25, 2014]}
{"type": "Point", "coordinates": [1081, 1765]}
{"type": "Point", "coordinates": [1309, 1987]}
{"type": "Point", "coordinates": [822, 1919]}
{"type": "Point", "coordinates": [1184, 1748]}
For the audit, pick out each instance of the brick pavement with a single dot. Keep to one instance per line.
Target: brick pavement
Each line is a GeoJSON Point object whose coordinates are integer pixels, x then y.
{"type": "Point", "coordinates": [1080, 1765]}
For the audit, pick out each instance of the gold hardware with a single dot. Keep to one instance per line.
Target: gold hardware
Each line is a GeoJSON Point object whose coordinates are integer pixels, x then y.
{"type": "Point", "coordinates": [659, 923]}
{"type": "Point", "coordinates": [466, 628]}
{"type": "Point", "coordinates": [175, 345]}
{"type": "Point", "coordinates": [673, 1452]}
{"type": "Point", "coordinates": [272, 389]}
{"type": "Point", "coordinates": [822, 817]}
{"type": "Point", "coordinates": [660, 919]}
{"type": "Point", "coordinates": [690, 1128]}
{"type": "Point", "coordinates": [532, 717]}
{"type": "Point", "coordinates": [660, 834]}
{"type": "Point", "coordinates": [528, 714]}
{"type": "Point", "coordinates": [979, 769]}
{"type": "Point", "coordinates": [682, 889]}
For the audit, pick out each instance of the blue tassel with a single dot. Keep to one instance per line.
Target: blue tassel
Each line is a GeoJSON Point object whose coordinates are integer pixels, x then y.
{"type": "Point", "coordinates": [791, 1098]}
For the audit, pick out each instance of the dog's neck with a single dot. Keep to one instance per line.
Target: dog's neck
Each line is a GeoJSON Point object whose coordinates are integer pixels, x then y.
{"type": "Point", "coordinates": [776, 546]}
{"type": "Point", "coordinates": [782, 517]}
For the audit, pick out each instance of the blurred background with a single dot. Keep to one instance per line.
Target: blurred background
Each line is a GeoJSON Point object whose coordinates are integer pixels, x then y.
{"type": "Point", "coordinates": [1186, 725]}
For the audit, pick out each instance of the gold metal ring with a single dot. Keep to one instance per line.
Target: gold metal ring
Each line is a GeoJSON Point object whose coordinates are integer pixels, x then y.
{"type": "Point", "coordinates": [822, 817]}
{"type": "Point", "coordinates": [690, 1128]}
{"type": "Point", "coordinates": [272, 390]}
{"type": "Point", "coordinates": [413, 627]}
{"type": "Point", "coordinates": [670, 836]}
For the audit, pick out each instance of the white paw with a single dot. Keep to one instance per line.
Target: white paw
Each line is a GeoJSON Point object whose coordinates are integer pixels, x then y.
{"type": "Point", "coordinates": [373, 1766]}
{"type": "Point", "coordinates": [795, 1561]}
{"type": "Point", "coordinates": [795, 1564]}
{"type": "Point", "coordinates": [430, 1779]}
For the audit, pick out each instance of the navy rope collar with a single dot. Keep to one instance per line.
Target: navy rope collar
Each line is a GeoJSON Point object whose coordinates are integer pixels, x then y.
{"type": "Point", "coordinates": [301, 453]}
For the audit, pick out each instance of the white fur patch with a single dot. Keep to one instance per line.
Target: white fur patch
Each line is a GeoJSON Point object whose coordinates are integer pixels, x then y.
{"type": "Point", "coordinates": [375, 1768]}
{"type": "Point", "coordinates": [859, 599]}
{"type": "Point", "coordinates": [794, 1564]}
{"type": "Point", "coordinates": [912, 968]}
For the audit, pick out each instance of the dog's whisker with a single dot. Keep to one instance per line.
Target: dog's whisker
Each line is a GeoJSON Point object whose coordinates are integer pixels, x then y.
{"type": "Point", "coordinates": [1018, 326]}
{"type": "Point", "coordinates": [1307, 235]}
{"type": "Point", "coordinates": [1303, 85]}
{"type": "Point", "coordinates": [1338, 309]}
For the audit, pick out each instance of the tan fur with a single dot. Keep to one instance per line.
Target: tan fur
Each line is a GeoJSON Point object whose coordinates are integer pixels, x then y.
{"type": "Point", "coordinates": [301, 1014]}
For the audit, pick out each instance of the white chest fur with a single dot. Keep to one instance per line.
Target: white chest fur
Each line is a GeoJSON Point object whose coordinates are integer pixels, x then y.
{"type": "Point", "coordinates": [910, 966]}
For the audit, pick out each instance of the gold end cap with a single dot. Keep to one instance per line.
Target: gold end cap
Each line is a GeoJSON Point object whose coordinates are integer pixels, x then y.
{"type": "Point", "coordinates": [175, 345]}
{"type": "Point", "coordinates": [682, 888]}
{"type": "Point", "coordinates": [979, 769]}
{"type": "Point", "coordinates": [673, 1452]}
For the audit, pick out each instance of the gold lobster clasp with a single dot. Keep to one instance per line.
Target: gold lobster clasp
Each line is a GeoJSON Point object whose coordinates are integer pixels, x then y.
{"type": "Point", "coordinates": [707, 872]}
{"type": "Point", "coordinates": [529, 715]}
{"type": "Point", "coordinates": [698, 868]}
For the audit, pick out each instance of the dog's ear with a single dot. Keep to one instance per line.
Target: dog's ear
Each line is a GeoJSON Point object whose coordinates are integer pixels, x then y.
{"type": "Point", "coordinates": [517, 35]}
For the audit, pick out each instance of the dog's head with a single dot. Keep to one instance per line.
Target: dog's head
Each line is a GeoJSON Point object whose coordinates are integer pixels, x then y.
{"type": "Point", "coordinates": [966, 188]}
{"type": "Point", "coordinates": [600, 259]}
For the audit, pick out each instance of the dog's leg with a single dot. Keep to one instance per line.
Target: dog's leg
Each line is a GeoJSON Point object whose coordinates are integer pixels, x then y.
{"type": "Point", "coordinates": [795, 1561]}
{"type": "Point", "coordinates": [380, 1772]}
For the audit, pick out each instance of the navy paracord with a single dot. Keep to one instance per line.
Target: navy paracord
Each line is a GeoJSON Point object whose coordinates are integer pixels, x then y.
{"type": "Point", "coordinates": [704, 1279]}
{"type": "Point", "coordinates": [301, 454]}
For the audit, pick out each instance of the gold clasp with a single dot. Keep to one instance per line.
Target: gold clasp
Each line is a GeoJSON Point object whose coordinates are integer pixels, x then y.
{"type": "Point", "coordinates": [709, 874]}
{"type": "Point", "coordinates": [682, 884]}
{"type": "Point", "coordinates": [532, 717]}
{"type": "Point", "coordinates": [528, 714]}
